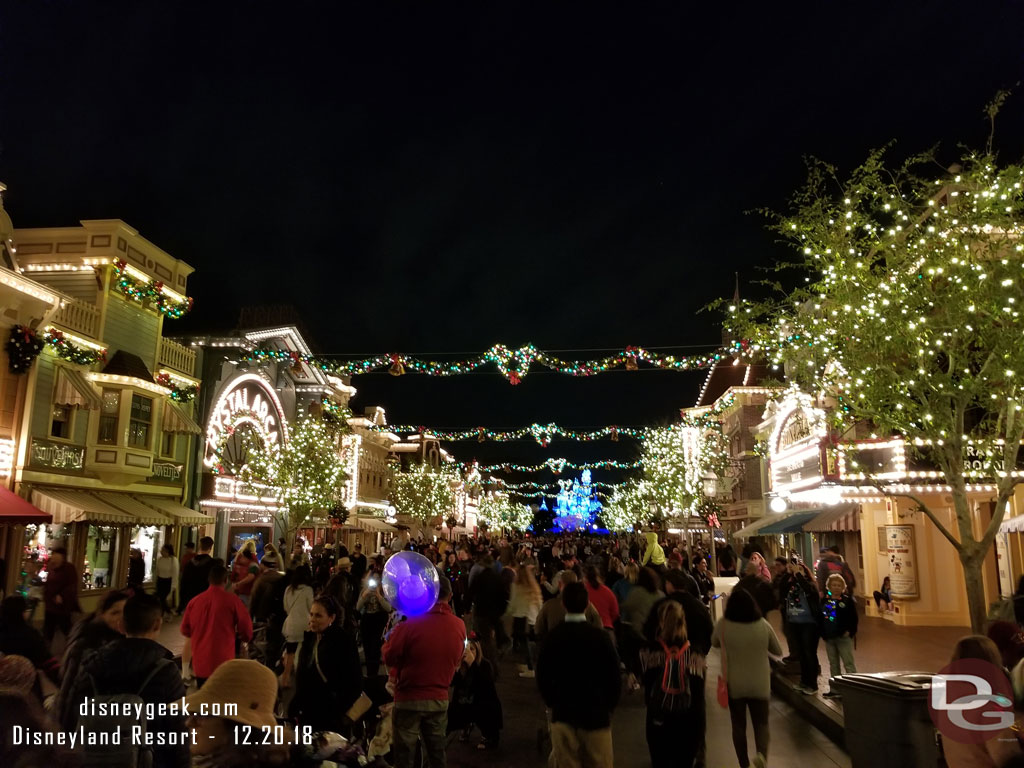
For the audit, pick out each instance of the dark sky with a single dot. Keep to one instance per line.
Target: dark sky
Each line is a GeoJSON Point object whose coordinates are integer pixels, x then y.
{"type": "Point", "coordinates": [439, 177]}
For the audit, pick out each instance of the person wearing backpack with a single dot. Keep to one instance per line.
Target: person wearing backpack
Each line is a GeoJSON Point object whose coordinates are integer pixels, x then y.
{"type": "Point", "coordinates": [747, 642]}
{"type": "Point", "coordinates": [134, 670]}
{"type": "Point", "coordinates": [675, 728]}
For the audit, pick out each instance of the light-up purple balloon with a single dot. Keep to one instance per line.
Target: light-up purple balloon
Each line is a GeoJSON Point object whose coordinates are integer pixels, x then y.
{"type": "Point", "coordinates": [411, 583]}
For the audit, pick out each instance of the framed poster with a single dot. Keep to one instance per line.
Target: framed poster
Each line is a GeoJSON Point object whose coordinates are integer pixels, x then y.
{"type": "Point", "coordinates": [902, 560]}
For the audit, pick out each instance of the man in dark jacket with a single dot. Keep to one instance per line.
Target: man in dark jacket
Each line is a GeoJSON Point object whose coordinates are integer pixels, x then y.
{"type": "Point", "coordinates": [578, 677]}
{"type": "Point", "coordinates": [830, 561]}
{"type": "Point", "coordinates": [103, 627]}
{"type": "Point", "coordinates": [195, 576]}
{"type": "Point", "coordinates": [123, 665]}
{"type": "Point", "coordinates": [489, 599]}
{"type": "Point", "coordinates": [60, 595]}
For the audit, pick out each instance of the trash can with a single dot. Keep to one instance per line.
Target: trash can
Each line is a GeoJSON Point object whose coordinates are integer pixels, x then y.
{"type": "Point", "coordinates": [886, 720]}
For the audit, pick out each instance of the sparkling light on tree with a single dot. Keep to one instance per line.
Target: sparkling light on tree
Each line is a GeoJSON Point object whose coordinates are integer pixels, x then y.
{"type": "Point", "coordinates": [909, 317]}
{"type": "Point", "coordinates": [679, 462]}
{"type": "Point", "coordinates": [424, 493]}
{"type": "Point", "coordinates": [496, 510]}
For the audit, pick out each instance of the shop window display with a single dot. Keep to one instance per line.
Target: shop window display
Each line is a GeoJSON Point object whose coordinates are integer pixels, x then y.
{"type": "Point", "coordinates": [148, 539]}
{"type": "Point", "coordinates": [100, 551]}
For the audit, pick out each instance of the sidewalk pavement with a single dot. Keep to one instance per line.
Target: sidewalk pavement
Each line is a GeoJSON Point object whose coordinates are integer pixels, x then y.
{"type": "Point", "coordinates": [881, 647]}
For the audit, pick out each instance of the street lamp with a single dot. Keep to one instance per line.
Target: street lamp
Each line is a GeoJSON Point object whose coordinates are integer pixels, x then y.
{"type": "Point", "coordinates": [710, 480]}
{"type": "Point", "coordinates": [778, 504]}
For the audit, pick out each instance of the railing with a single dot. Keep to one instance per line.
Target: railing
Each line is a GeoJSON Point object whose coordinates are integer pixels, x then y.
{"type": "Point", "coordinates": [177, 357]}
{"type": "Point", "coordinates": [79, 317]}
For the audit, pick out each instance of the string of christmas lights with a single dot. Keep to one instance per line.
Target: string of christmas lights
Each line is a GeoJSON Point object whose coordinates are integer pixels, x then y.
{"type": "Point", "coordinates": [555, 465]}
{"type": "Point", "coordinates": [513, 364]}
{"type": "Point", "coordinates": [542, 433]}
{"type": "Point", "coordinates": [181, 394]}
{"type": "Point", "coordinates": [68, 350]}
{"type": "Point", "coordinates": [534, 486]}
{"type": "Point", "coordinates": [143, 290]}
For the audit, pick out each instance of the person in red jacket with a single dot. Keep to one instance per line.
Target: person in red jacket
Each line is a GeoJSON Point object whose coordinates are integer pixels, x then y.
{"type": "Point", "coordinates": [424, 652]}
{"type": "Point", "coordinates": [212, 621]}
{"type": "Point", "coordinates": [60, 595]}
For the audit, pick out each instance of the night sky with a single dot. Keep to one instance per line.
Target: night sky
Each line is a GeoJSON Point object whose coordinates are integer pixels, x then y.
{"type": "Point", "coordinates": [439, 177]}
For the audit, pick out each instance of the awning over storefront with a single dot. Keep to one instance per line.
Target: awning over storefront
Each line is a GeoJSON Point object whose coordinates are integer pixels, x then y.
{"type": "Point", "coordinates": [792, 523]}
{"type": "Point", "coordinates": [176, 420]}
{"type": "Point", "coordinates": [72, 389]}
{"type": "Point", "coordinates": [181, 515]}
{"type": "Point", "coordinates": [838, 519]}
{"type": "Point", "coordinates": [142, 514]}
{"type": "Point", "coordinates": [1012, 525]}
{"type": "Point", "coordinates": [372, 524]}
{"type": "Point", "coordinates": [78, 507]}
{"type": "Point", "coordinates": [14, 510]}
{"type": "Point", "coordinates": [754, 528]}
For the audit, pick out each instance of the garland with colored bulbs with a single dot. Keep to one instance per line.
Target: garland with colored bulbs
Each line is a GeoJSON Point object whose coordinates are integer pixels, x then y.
{"type": "Point", "coordinates": [542, 433]}
{"type": "Point", "coordinates": [151, 290]}
{"type": "Point", "coordinates": [66, 349]}
{"type": "Point", "coordinates": [184, 394]}
{"type": "Point", "coordinates": [555, 465]}
{"type": "Point", "coordinates": [513, 364]}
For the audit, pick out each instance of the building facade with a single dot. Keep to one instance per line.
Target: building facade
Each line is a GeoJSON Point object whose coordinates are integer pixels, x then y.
{"type": "Point", "coordinates": [107, 428]}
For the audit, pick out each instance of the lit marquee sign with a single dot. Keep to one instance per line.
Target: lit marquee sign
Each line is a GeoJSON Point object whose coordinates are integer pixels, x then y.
{"type": "Point", "coordinates": [796, 446]}
{"type": "Point", "coordinates": [249, 400]}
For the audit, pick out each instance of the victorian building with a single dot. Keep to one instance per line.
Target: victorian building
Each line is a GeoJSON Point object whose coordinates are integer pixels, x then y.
{"type": "Point", "coordinates": [106, 427]}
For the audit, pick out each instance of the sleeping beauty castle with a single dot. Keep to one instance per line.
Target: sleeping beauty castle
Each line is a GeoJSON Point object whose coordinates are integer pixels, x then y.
{"type": "Point", "coordinates": [576, 505]}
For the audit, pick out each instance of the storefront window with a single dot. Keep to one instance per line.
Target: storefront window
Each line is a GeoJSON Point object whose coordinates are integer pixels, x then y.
{"type": "Point", "coordinates": [100, 551]}
{"type": "Point", "coordinates": [109, 416]}
{"type": "Point", "coordinates": [148, 539]}
{"type": "Point", "coordinates": [60, 424]}
{"type": "Point", "coordinates": [141, 417]}
{"type": "Point", "coordinates": [40, 540]}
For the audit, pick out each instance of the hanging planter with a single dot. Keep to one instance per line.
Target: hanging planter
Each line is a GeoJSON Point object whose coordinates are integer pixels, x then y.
{"type": "Point", "coordinates": [23, 347]}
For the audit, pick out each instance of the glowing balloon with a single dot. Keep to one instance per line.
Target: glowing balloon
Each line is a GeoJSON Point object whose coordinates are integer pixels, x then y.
{"type": "Point", "coordinates": [410, 583]}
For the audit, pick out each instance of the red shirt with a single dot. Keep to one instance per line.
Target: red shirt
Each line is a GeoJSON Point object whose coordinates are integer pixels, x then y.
{"type": "Point", "coordinates": [212, 619]}
{"type": "Point", "coordinates": [425, 651]}
{"type": "Point", "coordinates": [241, 568]}
{"type": "Point", "coordinates": [604, 600]}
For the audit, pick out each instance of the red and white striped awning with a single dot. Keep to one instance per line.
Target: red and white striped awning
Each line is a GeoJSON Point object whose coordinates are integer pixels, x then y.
{"type": "Point", "coordinates": [839, 519]}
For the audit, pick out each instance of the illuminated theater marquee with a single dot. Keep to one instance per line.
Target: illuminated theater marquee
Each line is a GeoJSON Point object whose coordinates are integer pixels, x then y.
{"type": "Point", "coordinates": [795, 447]}
{"type": "Point", "coordinates": [249, 400]}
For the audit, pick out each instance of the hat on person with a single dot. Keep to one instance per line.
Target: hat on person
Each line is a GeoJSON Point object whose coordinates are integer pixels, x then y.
{"type": "Point", "coordinates": [245, 683]}
{"type": "Point", "coordinates": [344, 563]}
{"type": "Point", "coordinates": [17, 673]}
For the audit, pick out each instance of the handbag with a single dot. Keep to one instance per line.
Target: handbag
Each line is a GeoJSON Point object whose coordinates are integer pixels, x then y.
{"type": "Point", "coordinates": [723, 685]}
{"type": "Point", "coordinates": [360, 706]}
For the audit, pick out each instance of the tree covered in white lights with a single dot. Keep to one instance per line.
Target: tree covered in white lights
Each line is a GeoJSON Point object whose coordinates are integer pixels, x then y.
{"type": "Point", "coordinates": [629, 506]}
{"type": "Point", "coordinates": [497, 510]}
{"type": "Point", "coordinates": [424, 492]}
{"type": "Point", "coordinates": [908, 314]}
{"type": "Point", "coordinates": [678, 462]}
{"type": "Point", "coordinates": [307, 471]}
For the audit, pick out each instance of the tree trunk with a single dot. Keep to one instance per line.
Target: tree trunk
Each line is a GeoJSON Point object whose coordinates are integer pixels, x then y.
{"type": "Point", "coordinates": [976, 604]}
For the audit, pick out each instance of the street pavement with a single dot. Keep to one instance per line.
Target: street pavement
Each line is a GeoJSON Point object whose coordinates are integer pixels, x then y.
{"type": "Point", "coordinates": [881, 646]}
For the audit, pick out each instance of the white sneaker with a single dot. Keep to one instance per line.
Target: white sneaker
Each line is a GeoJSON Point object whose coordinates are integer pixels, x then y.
{"type": "Point", "coordinates": [529, 673]}
{"type": "Point", "coordinates": [759, 761]}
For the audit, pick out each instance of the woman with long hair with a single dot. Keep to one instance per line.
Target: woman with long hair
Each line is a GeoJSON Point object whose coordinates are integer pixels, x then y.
{"type": "Point", "coordinates": [523, 606]}
{"type": "Point", "coordinates": [298, 600]}
{"type": "Point", "coordinates": [475, 699]}
{"type": "Point", "coordinates": [622, 587]}
{"type": "Point", "coordinates": [801, 604]}
{"type": "Point", "coordinates": [747, 642]}
{"type": "Point", "coordinates": [884, 595]}
{"type": "Point", "coordinates": [671, 675]}
{"type": "Point", "coordinates": [1002, 745]}
{"type": "Point", "coordinates": [328, 675]}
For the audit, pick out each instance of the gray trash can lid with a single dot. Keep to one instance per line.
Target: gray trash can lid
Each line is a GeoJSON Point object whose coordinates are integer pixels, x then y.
{"type": "Point", "coordinates": [913, 684]}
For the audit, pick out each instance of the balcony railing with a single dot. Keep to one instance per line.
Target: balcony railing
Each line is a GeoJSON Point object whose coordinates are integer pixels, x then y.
{"type": "Point", "coordinates": [177, 357]}
{"type": "Point", "coordinates": [79, 317]}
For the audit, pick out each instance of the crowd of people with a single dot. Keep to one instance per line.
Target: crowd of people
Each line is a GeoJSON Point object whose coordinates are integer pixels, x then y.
{"type": "Point", "coordinates": [305, 639]}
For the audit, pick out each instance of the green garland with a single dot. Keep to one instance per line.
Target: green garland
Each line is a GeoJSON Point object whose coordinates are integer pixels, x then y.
{"type": "Point", "coordinates": [179, 394]}
{"type": "Point", "coordinates": [151, 290]}
{"type": "Point", "coordinates": [66, 349]}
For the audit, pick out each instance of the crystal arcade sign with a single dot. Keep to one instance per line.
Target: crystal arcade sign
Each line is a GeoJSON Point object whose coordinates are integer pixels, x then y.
{"type": "Point", "coordinates": [247, 401]}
